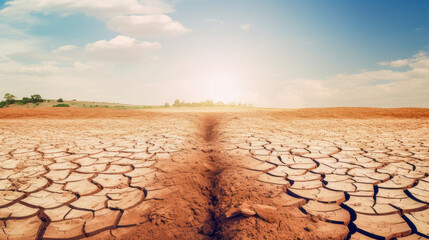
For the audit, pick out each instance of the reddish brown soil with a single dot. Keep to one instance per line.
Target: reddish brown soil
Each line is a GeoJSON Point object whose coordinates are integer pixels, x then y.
{"type": "Point", "coordinates": [354, 112]}
{"type": "Point", "coordinates": [205, 181]}
{"type": "Point", "coordinates": [316, 113]}
{"type": "Point", "coordinates": [71, 113]}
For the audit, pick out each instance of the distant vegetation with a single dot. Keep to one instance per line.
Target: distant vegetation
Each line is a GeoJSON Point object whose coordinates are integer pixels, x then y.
{"type": "Point", "coordinates": [36, 99]}
{"type": "Point", "coordinates": [61, 105]}
{"type": "Point", "coordinates": [11, 99]}
{"type": "Point", "coordinates": [207, 103]}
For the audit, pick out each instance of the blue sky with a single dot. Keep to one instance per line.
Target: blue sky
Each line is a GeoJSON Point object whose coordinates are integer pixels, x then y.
{"type": "Point", "coordinates": [273, 53]}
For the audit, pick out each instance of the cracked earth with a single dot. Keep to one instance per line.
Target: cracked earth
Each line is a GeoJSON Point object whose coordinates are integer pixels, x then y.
{"type": "Point", "coordinates": [297, 174]}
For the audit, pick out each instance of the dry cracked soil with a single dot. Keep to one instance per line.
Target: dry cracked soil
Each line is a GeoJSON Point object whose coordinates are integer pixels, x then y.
{"type": "Point", "coordinates": [337, 173]}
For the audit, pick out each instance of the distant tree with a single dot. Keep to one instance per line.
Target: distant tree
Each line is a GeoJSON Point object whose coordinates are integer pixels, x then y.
{"type": "Point", "coordinates": [60, 100]}
{"type": "Point", "coordinates": [25, 100]}
{"type": "Point", "coordinates": [36, 98]}
{"type": "Point", "coordinates": [208, 103]}
{"type": "Point", "coordinates": [10, 98]}
{"type": "Point", "coordinates": [166, 104]}
{"type": "Point", "coordinates": [176, 103]}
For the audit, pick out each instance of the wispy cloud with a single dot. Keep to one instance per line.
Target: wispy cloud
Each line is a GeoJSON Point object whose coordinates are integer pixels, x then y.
{"type": "Point", "coordinates": [101, 9]}
{"type": "Point", "coordinates": [211, 20]}
{"type": "Point", "coordinates": [381, 88]}
{"type": "Point", "coordinates": [151, 26]}
{"type": "Point", "coordinates": [117, 50]}
{"type": "Point", "coordinates": [121, 48]}
{"type": "Point", "coordinates": [246, 27]}
{"type": "Point", "coordinates": [65, 48]}
{"type": "Point", "coordinates": [396, 63]}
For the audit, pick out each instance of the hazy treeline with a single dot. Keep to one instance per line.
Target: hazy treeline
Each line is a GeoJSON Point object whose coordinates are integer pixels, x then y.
{"type": "Point", "coordinates": [35, 98]}
{"type": "Point", "coordinates": [11, 99]}
{"type": "Point", "coordinates": [207, 103]}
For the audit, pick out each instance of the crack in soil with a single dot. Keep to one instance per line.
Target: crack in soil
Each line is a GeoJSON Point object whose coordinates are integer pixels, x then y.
{"type": "Point", "coordinates": [213, 199]}
{"type": "Point", "coordinates": [210, 136]}
{"type": "Point", "coordinates": [191, 210]}
{"type": "Point", "coordinates": [216, 178]}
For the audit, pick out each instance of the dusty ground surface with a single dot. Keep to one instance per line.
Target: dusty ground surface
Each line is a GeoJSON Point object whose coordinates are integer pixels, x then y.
{"type": "Point", "coordinates": [335, 173]}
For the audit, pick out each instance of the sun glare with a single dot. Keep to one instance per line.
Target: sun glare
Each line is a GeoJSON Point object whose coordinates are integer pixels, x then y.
{"type": "Point", "coordinates": [222, 86]}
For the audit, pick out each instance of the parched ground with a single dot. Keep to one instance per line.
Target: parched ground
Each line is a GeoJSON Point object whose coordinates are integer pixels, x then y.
{"type": "Point", "coordinates": [336, 173]}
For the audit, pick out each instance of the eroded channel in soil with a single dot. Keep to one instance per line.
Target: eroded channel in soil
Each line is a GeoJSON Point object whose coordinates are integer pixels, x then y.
{"type": "Point", "coordinates": [214, 175]}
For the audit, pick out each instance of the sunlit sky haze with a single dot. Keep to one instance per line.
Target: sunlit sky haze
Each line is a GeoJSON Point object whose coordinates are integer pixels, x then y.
{"type": "Point", "coordinates": [271, 53]}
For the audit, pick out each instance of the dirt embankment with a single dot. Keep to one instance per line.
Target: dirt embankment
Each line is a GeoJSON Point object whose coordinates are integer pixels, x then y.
{"type": "Point", "coordinates": [72, 113]}
{"type": "Point", "coordinates": [352, 112]}
{"type": "Point", "coordinates": [305, 113]}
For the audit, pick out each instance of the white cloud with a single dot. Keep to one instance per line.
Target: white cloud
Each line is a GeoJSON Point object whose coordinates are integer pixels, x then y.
{"type": "Point", "coordinates": [70, 59]}
{"type": "Point", "coordinates": [83, 66]}
{"type": "Point", "coordinates": [101, 9]}
{"type": "Point", "coordinates": [246, 27]}
{"type": "Point", "coordinates": [42, 68]}
{"type": "Point", "coordinates": [137, 18]}
{"type": "Point", "coordinates": [211, 20]}
{"type": "Point", "coordinates": [121, 48]}
{"type": "Point", "coordinates": [65, 48]}
{"type": "Point", "coordinates": [17, 69]}
{"type": "Point", "coordinates": [11, 32]}
{"type": "Point", "coordinates": [14, 40]}
{"type": "Point", "coordinates": [383, 88]}
{"type": "Point", "coordinates": [396, 63]}
{"type": "Point", "coordinates": [121, 42]}
{"type": "Point", "coordinates": [148, 26]}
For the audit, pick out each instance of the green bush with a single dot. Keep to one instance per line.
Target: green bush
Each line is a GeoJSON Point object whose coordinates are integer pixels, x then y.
{"type": "Point", "coordinates": [36, 98]}
{"type": "Point", "coordinates": [61, 105]}
{"type": "Point", "coordinates": [60, 100]}
{"type": "Point", "coordinates": [25, 100]}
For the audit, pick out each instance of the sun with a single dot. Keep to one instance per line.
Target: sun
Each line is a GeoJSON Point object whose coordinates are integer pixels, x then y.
{"type": "Point", "coordinates": [222, 86]}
